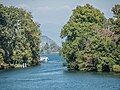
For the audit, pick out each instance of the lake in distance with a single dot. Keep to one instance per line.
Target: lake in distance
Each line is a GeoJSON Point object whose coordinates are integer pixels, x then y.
{"type": "Point", "coordinates": [53, 76]}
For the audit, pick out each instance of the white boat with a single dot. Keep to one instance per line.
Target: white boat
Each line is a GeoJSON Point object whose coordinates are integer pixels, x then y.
{"type": "Point", "coordinates": [43, 59]}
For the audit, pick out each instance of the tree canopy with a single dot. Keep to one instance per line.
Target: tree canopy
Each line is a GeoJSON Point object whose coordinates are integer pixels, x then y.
{"type": "Point", "coordinates": [19, 37]}
{"type": "Point", "coordinates": [91, 40]}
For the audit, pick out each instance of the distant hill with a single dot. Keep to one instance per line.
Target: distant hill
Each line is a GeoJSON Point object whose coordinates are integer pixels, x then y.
{"type": "Point", "coordinates": [48, 46]}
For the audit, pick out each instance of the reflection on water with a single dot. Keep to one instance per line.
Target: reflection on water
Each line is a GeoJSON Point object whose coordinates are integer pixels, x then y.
{"type": "Point", "coordinates": [53, 76]}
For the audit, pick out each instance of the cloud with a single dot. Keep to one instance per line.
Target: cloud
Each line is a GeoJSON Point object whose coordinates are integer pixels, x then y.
{"type": "Point", "coordinates": [44, 8]}
{"type": "Point", "coordinates": [50, 8]}
{"type": "Point", "coordinates": [24, 6]}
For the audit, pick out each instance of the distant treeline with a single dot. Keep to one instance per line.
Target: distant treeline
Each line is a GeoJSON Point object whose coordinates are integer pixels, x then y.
{"type": "Point", "coordinates": [92, 42]}
{"type": "Point", "coordinates": [48, 49]}
{"type": "Point", "coordinates": [19, 38]}
{"type": "Point", "coordinates": [48, 46]}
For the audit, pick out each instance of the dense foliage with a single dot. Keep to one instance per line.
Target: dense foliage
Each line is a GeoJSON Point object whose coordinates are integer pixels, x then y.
{"type": "Point", "coordinates": [92, 42]}
{"type": "Point", "coordinates": [19, 37]}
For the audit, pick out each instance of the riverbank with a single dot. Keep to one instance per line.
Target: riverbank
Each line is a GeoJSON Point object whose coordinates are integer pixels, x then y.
{"type": "Point", "coordinates": [10, 66]}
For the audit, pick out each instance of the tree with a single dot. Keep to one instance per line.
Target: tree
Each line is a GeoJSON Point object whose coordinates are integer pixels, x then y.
{"type": "Point", "coordinates": [88, 45]}
{"type": "Point", "coordinates": [116, 30]}
{"type": "Point", "coordinates": [116, 11]}
{"type": "Point", "coordinates": [19, 36]}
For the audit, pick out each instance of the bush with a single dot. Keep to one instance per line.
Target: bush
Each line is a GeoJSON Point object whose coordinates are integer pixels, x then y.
{"type": "Point", "coordinates": [116, 68]}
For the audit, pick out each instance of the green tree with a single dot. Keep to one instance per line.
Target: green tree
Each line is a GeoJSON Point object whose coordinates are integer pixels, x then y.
{"type": "Point", "coordinates": [89, 44]}
{"type": "Point", "coordinates": [116, 30]}
{"type": "Point", "coordinates": [116, 11]}
{"type": "Point", "coordinates": [19, 36]}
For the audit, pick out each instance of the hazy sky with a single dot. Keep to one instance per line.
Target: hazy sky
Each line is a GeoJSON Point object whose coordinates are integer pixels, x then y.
{"type": "Point", "coordinates": [53, 14]}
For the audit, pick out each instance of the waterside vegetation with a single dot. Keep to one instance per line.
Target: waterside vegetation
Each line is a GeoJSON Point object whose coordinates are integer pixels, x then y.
{"type": "Point", "coordinates": [92, 42]}
{"type": "Point", "coordinates": [19, 38]}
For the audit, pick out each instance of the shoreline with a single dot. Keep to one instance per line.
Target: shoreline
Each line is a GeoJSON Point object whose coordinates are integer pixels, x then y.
{"type": "Point", "coordinates": [12, 66]}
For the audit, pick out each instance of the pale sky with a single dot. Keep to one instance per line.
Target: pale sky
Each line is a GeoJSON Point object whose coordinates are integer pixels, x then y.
{"type": "Point", "coordinates": [53, 14]}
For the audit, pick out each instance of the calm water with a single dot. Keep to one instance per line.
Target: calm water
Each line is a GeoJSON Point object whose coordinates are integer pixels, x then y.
{"type": "Point", "coordinates": [53, 76]}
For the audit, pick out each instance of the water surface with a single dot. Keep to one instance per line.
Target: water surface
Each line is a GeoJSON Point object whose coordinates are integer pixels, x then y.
{"type": "Point", "coordinates": [53, 76]}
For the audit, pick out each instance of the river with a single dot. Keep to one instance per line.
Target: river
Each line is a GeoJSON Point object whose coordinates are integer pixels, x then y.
{"type": "Point", "coordinates": [53, 76]}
